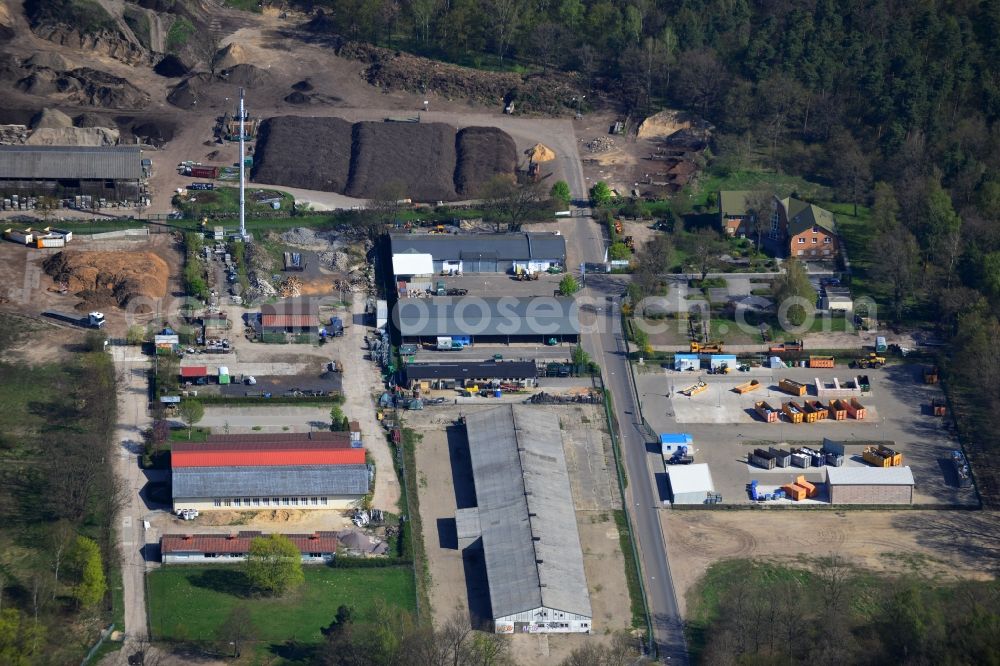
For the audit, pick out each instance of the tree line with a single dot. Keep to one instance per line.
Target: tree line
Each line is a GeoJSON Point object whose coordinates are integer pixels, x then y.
{"type": "Point", "coordinates": [58, 503]}
{"type": "Point", "coordinates": [835, 614]}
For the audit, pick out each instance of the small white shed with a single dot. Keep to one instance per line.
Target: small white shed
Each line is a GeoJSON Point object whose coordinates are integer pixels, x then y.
{"type": "Point", "coordinates": [690, 484]}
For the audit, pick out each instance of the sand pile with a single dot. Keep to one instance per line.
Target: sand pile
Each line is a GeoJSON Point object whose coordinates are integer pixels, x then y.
{"type": "Point", "coordinates": [104, 279]}
{"type": "Point", "coordinates": [51, 118]}
{"type": "Point", "coordinates": [74, 136]}
{"type": "Point", "coordinates": [664, 123]}
{"type": "Point", "coordinates": [229, 56]}
{"type": "Point", "coordinates": [540, 153]}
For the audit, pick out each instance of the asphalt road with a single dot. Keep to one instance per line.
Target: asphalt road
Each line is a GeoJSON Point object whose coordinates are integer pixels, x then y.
{"type": "Point", "coordinates": [606, 345]}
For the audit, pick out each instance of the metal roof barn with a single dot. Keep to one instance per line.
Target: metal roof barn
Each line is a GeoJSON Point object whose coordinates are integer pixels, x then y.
{"type": "Point", "coordinates": [223, 454]}
{"type": "Point", "coordinates": [534, 562]}
{"type": "Point", "coordinates": [296, 480]}
{"type": "Point", "coordinates": [70, 162]}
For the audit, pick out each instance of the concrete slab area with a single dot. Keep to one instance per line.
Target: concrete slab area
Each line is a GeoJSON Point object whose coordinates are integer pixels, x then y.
{"type": "Point", "coordinates": [724, 431]}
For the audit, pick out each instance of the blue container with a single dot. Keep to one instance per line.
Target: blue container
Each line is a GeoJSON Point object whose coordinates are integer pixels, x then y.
{"type": "Point", "coordinates": [497, 393]}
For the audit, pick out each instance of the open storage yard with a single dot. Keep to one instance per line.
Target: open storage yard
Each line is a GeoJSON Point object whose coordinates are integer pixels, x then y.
{"type": "Point", "coordinates": [725, 427]}
{"type": "Point", "coordinates": [445, 484]}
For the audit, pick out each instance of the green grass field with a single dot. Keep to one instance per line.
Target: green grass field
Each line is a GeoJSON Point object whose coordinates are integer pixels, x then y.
{"type": "Point", "coordinates": [189, 603]}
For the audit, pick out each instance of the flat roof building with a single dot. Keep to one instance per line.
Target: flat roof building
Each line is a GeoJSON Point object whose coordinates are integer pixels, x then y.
{"type": "Point", "coordinates": [425, 254]}
{"type": "Point", "coordinates": [870, 485]}
{"type": "Point", "coordinates": [525, 522]}
{"type": "Point", "coordinates": [690, 484]}
{"type": "Point", "coordinates": [488, 319]}
{"type": "Point", "coordinates": [112, 172]}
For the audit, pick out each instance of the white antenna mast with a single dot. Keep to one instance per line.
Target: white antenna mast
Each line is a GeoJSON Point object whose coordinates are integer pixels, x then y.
{"type": "Point", "coordinates": [243, 221]}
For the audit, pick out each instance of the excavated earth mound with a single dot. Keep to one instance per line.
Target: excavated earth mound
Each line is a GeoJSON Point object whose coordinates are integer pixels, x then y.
{"type": "Point", "coordinates": [419, 156]}
{"type": "Point", "coordinates": [312, 153]}
{"type": "Point", "coordinates": [483, 153]}
{"type": "Point", "coordinates": [431, 161]}
{"type": "Point", "coordinates": [103, 279]}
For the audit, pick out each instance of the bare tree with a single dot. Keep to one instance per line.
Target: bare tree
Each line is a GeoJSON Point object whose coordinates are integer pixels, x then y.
{"type": "Point", "coordinates": [760, 205]}
{"type": "Point", "coordinates": [61, 536]}
{"type": "Point", "coordinates": [508, 204]}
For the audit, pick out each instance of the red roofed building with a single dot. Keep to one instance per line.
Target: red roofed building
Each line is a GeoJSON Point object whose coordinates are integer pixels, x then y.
{"type": "Point", "coordinates": [318, 547]}
{"type": "Point", "coordinates": [194, 372]}
{"type": "Point", "coordinates": [263, 454]}
{"type": "Point", "coordinates": [291, 321]}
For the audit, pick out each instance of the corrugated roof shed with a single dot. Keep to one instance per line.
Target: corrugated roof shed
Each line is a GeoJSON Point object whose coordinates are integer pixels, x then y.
{"type": "Point", "coordinates": [71, 162]}
{"type": "Point", "coordinates": [194, 371]}
{"type": "Point", "coordinates": [472, 370]}
{"type": "Point", "coordinates": [494, 315]}
{"type": "Point", "coordinates": [295, 481]}
{"type": "Point", "coordinates": [529, 534]}
{"type": "Point", "coordinates": [260, 454]}
{"type": "Point", "coordinates": [510, 247]}
{"type": "Point", "coordinates": [318, 542]}
{"type": "Point", "coordinates": [870, 476]}
{"type": "Point", "coordinates": [300, 314]}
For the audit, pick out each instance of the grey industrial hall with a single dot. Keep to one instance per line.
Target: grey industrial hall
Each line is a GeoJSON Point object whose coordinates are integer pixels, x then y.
{"type": "Point", "coordinates": [425, 254]}
{"type": "Point", "coordinates": [113, 172]}
{"type": "Point", "coordinates": [524, 522]}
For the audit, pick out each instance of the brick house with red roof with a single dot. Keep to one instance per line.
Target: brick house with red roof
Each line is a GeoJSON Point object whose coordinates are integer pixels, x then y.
{"type": "Point", "coordinates": [316, 548]}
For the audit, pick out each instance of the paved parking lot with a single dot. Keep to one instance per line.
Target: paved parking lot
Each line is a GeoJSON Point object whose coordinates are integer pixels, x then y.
{"type": "Point", "coordinates": [725, 429]}
{"type": "Point", "coordinates": [500, 284]}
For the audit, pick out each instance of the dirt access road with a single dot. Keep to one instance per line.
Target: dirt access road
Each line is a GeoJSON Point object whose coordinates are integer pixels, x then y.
{"type": "Point", "coordinates": [946, 544]}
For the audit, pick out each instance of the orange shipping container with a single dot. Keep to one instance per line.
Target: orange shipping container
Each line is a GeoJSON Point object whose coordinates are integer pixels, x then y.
{"type": "Point", "coordinates": [810, 488]}
{"type": "Point", "coordinates": [795, 492]}
{"type": "Point", "coordinates": [820, 361]}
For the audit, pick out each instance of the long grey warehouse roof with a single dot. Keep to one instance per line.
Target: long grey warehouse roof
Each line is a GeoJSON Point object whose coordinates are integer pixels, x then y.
{"type": "Point", "coordinates": [191, 482]}
{"type": "Point", "coordinates": [70, 162]}
{"type": "Point", "coordinates": [493, 315]}
{"type": "Point", "coordinates": [519, 246]}
{"type": "Point", "coordinates": [530, 540]}
{"type": "Point", "coordinates": [472, 370]}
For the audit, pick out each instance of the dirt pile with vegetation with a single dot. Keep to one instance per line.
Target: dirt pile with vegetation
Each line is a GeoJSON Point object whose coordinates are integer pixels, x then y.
{"type": "Point", "coordinates": [103, 279]}
{"type": "Point", "coordinates": [545, 93]}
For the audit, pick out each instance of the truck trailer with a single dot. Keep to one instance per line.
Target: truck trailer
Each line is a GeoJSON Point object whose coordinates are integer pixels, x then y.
{"type": "Point", "coordinates": [91, 320]}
